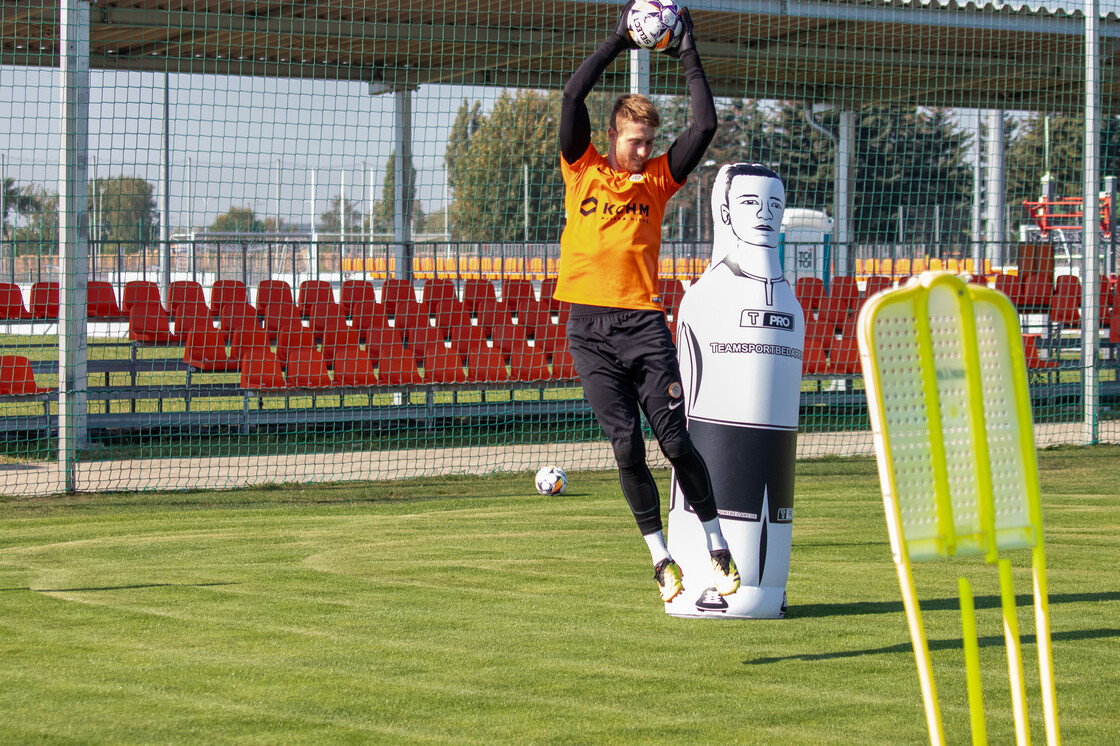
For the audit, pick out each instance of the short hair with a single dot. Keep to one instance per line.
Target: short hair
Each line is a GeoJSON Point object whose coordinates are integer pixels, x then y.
{"type": "Point", "coordinates": [634, 107]}
{"type": "Point", "coordinates": [748, 169]}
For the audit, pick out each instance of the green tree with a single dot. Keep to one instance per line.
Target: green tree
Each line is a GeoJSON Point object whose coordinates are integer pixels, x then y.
{"type": "Point", "coordinates": [486, 161]}
{"type": "Point", "coordinates": [342, 216]}
{"type": "Point", "coordinates": [39, 230]}
{"type": "Point", "coordinates": [238, 220]}
{"type": "Point", "coordinates": [905, 158]}
{"type": "Point", "coordinates": [383, 209]}
{"type": "Point", "coordinates": [123, 211]}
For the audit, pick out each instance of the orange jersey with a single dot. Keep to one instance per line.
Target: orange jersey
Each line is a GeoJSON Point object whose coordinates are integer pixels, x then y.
{"type": "Point", "coordinates": [610, 245]}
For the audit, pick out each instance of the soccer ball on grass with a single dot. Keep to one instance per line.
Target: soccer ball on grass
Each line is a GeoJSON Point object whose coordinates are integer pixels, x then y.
{"type": "Point", "coordinates": [551, 480]}
{"type": "Point", "coordinates": [655, 24]}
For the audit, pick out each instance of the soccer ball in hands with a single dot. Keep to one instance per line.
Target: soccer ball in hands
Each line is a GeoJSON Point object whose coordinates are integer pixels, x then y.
{"type": "Point", "coordinates": [551, 480]}
{"type": "Point", "coordinates": [655, 24]}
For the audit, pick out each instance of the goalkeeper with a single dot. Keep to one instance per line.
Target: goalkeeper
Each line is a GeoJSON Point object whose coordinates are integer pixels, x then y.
{"type": "Point", "coordinates": [621, 346]}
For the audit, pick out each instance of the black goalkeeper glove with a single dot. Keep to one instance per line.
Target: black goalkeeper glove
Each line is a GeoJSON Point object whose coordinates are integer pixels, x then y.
{"type": "Point", "coordinates": [621, 33]}
{"type": "Point", "coordinates": [687, 41]}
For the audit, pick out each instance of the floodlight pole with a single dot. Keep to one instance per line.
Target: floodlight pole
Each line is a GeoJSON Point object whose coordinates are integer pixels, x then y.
{"type": "Point", "coordinates": [73, 234]}
{"type": "Point", "coordinates": [1090, 230]}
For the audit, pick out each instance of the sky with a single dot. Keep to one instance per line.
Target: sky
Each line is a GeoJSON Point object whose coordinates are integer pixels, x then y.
{"type": "Point", "coordinates": [233, 130]}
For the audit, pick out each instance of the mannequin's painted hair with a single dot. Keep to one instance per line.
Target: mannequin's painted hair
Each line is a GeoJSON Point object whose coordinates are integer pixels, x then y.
{"type": "Point", "coordinates": [748, 169]}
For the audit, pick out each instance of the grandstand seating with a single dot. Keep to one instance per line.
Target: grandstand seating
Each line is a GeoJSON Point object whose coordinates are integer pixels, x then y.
{"type": "Point", "coordinates": [237, 315]}
{"type": "Point", "coordinates": [424, 342]}
{"type": "Point", "coordinates": [148, 323]}
{"type": "Point", "coordinates": [101, 301]}
{"type": "Point", "coordinates": [44, 300]}
{"type": "Point", "coordinates": [367, 315]}
{"type": "Point", "coordinates": [11, 302]}
{"type": "Point", "coordinates": [17, 378]}
{"type": "Point", "coordinates": [843, 352]}
{"type": "Point", "coordinates": [818, 341]}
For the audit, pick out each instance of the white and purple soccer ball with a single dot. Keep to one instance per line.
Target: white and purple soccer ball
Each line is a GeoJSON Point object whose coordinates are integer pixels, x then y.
{"type": "Point", "coordinates": [551, 480]}
{"type": "Point", "coordinates": [655, 24]}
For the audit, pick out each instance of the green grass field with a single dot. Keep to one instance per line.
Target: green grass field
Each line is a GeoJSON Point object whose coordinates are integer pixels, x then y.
{"type": "Point", "coordinates": [466, 610]}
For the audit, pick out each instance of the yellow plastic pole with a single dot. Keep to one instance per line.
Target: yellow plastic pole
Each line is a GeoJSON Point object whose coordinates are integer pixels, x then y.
{"type": "Point", "coordinates": [1014, 654]}
{"type": "Point", "coordinates": [972, 664]}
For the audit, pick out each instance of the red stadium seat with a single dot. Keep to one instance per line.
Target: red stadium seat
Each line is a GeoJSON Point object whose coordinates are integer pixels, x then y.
{"type": "Point", "coordinates": [877, 284]}
{"type": "Point", "coordinates": [563, 367]}
{"type": "Point", "coordinates": [353, 291]}
{"type": "Point", "coordinates": [190, 315]}
{"type": "Point", "coordinates": [314, 295]}
{"type": "Point", "coordinates": [367, 315]}
{"type": "Point", "coordinates": [139, 291]}
{"type": "Point", "coordinates": [810, 293]}
{"type": "Point", "coordinates": [1033, 358]}
{"type": "Point", "coordinates": [444, 365]}
{"type": "Point", "coordinates": [476, 291]}
{"type": "Point", "coordinates": [262, 371]}
{"type": "Point", "coordinates": [148, 323]}
{"type": "Point", "coordinates": [486, 365]}
{"type": "Point", "coordinates": [843, 354]}
{"type": "Point", "coordinates": [44, 300]}
{"type": "Point", "coordinates": [490, 313]}
{"type": "Point", "coordinates": [528, 364]}
{"type": "Point", "coordinates": [248, 342]}
{"type": "Point", "coordinates": [280, 315]}
{"type": "Point", "coordinates": [515, 291]}
{"type": "Point", "coordinates": [306, 368]}
{"type": "Point", "coordinates": [1065, 307]}
{"type": "Point", "coordinates": [224, 292]}
{"type": "Point", "coordinates": [352, 367]}
{"type": "Point", "coordinates": [395, 290]}
{"type": "Point", "coordinates": [395, 365]}
{"type": "Point", "coordinates": [293, 338]}
{"type": "Point", "coordinates": [11, 302]}
{"type": "Point", "coordinates": [270, 292]}
{"type": "Point", "coordinates": [337, 335]}
{"type": "Point", "coordinates": [101, 301]}
{"type": "Point", "coordinates": [205, 351]}
{"type": "Point", "coordinates": [185, 291]}
{"type": "Point", "coordinates": [17, 378]}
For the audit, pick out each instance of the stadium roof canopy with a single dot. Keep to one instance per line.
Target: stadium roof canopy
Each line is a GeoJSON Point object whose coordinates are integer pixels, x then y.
{"type": "Point", "coordinates": [1024, 55]}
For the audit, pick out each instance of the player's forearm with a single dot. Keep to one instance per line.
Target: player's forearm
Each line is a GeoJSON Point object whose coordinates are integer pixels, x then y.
{"type": "Point", "coordinates": [688, 149]}
{"type": "Point", "coordinates": [575, 123]}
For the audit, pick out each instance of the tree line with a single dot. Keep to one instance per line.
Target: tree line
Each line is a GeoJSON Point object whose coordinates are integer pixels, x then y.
{"type": "Point", "coordinates": [503, 165]}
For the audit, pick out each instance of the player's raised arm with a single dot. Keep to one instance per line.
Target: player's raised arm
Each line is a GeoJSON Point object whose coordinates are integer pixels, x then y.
{"type": "Point", "coordinates": [687, 150]}
{"type": "Point", "coordinates": [575, 122]}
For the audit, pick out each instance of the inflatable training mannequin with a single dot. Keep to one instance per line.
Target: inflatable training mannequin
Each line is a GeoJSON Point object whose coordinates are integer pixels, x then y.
{"type": "Point", "coordinates": [740, 337]}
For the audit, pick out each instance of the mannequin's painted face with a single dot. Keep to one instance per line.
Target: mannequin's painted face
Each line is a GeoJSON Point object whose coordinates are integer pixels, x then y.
{"type": "Point", "coordinates": [754, 209]}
